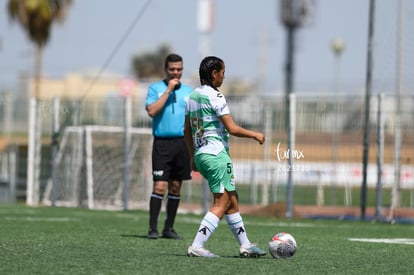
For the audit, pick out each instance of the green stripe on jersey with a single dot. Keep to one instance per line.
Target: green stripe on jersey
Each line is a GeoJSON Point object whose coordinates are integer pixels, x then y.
{"type": "Point", "coordinates": [208, 131]}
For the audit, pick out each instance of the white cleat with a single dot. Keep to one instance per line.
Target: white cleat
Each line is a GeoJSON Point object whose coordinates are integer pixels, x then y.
{"type": "Point", "coordinates": [200, 252]}
{"type": "Point", "coordinates": [252, 251]}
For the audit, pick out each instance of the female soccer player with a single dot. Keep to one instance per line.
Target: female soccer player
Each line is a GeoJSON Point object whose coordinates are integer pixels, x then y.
{"type": "Point", "coordinates": [208, 124]}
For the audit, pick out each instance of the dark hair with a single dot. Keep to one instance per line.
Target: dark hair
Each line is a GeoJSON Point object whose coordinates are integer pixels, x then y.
{"type": "Point", "coordinates": [207, 66]}
{"type": "Point", "coordinates": [172, 58]}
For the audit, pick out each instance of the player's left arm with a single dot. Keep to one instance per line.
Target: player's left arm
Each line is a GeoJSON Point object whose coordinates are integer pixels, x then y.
{"type": "Point", "coordinates": [238, 131]}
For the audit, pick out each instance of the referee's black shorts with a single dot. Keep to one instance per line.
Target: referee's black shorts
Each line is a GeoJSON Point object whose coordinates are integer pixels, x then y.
{"type": "Point", "coordinates": [170, 159]}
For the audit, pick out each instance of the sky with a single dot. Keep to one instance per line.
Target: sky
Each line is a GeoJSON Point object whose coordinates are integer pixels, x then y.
{"type": "Point", "coordinates": [248, 35]}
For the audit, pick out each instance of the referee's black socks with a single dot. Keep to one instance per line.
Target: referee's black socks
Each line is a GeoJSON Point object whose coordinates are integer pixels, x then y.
{"type": "Point", "coordinates": [154, 209]}
{"type": "Point", "coordinates": [171, 210]}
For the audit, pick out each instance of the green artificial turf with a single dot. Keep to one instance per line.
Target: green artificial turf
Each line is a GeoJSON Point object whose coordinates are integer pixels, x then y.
{"type": "Point", "coordinates": [54, 240]}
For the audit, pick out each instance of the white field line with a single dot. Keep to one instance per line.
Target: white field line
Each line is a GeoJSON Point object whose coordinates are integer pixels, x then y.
{"type": "Point", "coordinates": [391, 241]}
{"type": "Point", "coordinates": [35, 219]}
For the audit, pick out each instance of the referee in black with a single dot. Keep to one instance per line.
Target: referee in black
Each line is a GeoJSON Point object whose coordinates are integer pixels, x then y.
{"type": "Point", "coordinates": [165, 104]}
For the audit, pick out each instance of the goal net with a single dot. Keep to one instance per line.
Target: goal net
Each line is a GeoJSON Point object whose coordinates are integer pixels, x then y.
{"type": "Point", "coordinates": [90, 168]}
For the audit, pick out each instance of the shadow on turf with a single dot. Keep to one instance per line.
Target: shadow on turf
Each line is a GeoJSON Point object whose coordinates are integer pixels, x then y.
{"type": "Point", "coordinates": [222, 257]}
{"type": "Point", "coordinates": [145, 237]}
{"type": "Point", "coordinates": [185, 255]}
{"type": "Point", "coordinates": [134, 236]}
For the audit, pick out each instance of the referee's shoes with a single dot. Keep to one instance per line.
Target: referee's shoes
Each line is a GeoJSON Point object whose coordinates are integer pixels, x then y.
{"type": "Point", "coordinates": [152, 234]}
{"type": "Point", "coordinates": [171, 234]}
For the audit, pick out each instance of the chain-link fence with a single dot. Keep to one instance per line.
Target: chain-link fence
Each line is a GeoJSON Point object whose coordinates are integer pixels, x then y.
{"type": "Point", "coordinates": [327, 165]}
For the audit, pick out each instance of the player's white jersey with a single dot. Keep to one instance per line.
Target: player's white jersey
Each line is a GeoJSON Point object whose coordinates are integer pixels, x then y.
{"type": "Point", "coordinates": [204, 108]}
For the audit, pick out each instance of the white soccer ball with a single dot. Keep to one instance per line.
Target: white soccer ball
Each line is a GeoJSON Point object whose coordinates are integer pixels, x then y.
{"type": "Point", "coordinates": [282, 246]}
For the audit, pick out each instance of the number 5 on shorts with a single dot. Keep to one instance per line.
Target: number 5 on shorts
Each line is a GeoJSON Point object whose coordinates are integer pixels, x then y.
{"type": "Point", "coordinates": [228, 168]}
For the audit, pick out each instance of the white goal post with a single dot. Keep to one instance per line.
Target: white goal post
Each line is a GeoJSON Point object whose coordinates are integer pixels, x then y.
{"type": "Point", "coordinates": [90, 168]}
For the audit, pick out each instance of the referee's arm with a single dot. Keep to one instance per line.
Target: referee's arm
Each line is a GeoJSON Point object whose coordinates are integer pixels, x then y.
{"type": "Point", "coordinates": [157, 106]}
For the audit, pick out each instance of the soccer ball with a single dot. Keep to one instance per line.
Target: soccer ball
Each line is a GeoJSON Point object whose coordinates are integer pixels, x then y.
{"type": "Point", "coordinates": [282, 246]}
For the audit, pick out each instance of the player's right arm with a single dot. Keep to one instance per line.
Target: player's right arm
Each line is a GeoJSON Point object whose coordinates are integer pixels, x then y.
{"type": "Point", "coordinates": [188, 137]}
{"type": "Point", "coordinates": [238, 131]}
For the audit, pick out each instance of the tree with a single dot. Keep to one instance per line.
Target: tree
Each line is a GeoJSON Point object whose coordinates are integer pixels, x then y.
{"type": "Point", "coordinates": [36, 17]}
{"type": "Point", "coordinates": [150, 64]}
